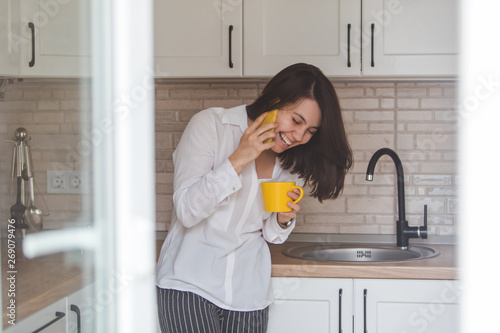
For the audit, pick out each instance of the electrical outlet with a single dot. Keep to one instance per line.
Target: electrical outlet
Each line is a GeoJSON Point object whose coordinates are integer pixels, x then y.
{"type": "Point", "coordinates": [75, 182]}
{"type": "Point", "coordinates": [57, 181]}
{"type": "Point", "coordinates": [68, 182]}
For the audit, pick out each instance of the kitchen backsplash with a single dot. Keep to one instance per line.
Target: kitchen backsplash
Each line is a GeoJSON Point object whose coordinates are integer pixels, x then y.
{"type": "Point", "coordinates": [417, 119]}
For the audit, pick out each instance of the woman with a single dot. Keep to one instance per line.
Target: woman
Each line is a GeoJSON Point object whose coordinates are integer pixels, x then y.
{"type": "Point", "coordinates": [214, 271]}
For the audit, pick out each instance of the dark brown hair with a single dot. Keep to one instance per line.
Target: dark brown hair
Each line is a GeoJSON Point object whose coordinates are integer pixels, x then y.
{"type": "Point", "coordinates": [323, 161]}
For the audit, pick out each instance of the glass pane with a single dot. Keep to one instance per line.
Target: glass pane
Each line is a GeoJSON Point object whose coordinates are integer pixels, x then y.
{"type": "Point", "coordinates": [47, 175]}
{"type": "Point", "coordinates": [69, 165]}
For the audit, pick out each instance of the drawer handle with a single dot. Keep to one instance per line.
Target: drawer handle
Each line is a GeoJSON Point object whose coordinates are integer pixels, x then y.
{"type": "Point", "coordinates": [230, 46]}
{"type": "Point", "coordinates": [373, 42]}
{"type": "Point", "coordinates": [76, 310]}
{"type": "Point", "coordinates": [365, 295]}
{"type": "Point", "coordinates": [340, 310]}
{"type": "Point", "coordinates": [349, 45]}
{"type": "Point", "coordinates": [59, 315]}
{"type": "Point", "coordinates": [32, 27]}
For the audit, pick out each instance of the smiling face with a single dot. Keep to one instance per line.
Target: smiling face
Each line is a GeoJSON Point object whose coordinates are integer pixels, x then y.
{"type": "Point", "coordinates": [297, 123]}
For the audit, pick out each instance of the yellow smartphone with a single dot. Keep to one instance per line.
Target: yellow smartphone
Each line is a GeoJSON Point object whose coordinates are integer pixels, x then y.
{"type": "Point", "coordinates": [270, 118]}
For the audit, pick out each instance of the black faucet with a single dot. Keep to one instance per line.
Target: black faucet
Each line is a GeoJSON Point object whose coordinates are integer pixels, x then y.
{"type": "Point", "coordinates": [403, 231]}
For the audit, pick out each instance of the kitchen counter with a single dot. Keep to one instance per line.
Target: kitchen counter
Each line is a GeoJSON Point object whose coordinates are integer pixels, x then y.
{"type": "Point", "coordinates": [442, 267]}
{"type": "Point", "coordinates": [45, 280]}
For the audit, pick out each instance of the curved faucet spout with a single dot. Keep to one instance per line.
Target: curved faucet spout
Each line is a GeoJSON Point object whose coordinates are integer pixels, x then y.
{"type": "Point", "coordinates": [399, 173]}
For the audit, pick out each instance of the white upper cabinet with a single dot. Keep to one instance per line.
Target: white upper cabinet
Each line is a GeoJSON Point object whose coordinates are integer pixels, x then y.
{"type": "Point", "coordinates": [384, 38]}
{"type": "Point", "coordinates": [410, 38]}
{"type": "Point", "coordinates": [55, 38]}
{"type": "Point", "coordinates": [9, 38]}
{"type": "Point", "coordinates": [198, 38]}
{"type": "Point", "coordinates": [278, 33]}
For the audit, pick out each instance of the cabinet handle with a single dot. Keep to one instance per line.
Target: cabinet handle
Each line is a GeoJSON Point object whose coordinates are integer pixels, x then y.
{"type": "Point", "coordinates": [373, 30]}
{"type": "Point", "coordinates": [59, 315]}
{"type": "Point", "coordinates": [76, 309]}
{"type": "Point", "coordinates": [349, 45]}
{"type": "Point", "coordinates": [365, 295]}
{"type": "Point", "coordinates": [230, 46]}
{"type": "Point", "coordinates": [32, 27]}
{"type": "Point", "coordinates": [340, 310]}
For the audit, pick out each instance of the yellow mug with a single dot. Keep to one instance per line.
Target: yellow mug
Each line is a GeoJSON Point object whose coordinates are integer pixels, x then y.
{"type": "Point", "coordinates": [275, 195]}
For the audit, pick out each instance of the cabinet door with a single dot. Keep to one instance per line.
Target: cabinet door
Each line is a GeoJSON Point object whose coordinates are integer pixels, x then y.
{"type": "Point", "coordinates": [197, 38]}
{"type": "Point", "coordinates": [406, 37]}
{"type": "Point", "coordinates": [395, 306]}
{"type": "Point", "coordinates": [9, 38]}
{"type": "Point", "coordinates": [52, 317]}
{"type": "Point", "coordinates": [311, 305]}
{"type": "Point", "coordinates": [54, 44]}
{"type": "Point", "coordinates": [325, 33]}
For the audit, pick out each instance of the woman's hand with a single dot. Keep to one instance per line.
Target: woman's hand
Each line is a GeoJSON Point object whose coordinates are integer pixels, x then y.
{"type": "Point", "coordinates": [252, 143]}
{"type": "Point", "coordinates": [284, 217]}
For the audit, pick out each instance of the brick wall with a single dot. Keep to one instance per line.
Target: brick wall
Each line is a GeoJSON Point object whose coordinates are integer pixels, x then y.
{"type": "Point", "coordinates": [414, 118]}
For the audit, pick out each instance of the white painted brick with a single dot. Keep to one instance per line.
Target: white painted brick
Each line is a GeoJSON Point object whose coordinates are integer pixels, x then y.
{"type": "Point", "coordinates": [344, 93]}
{"type": "Point", "coordinates": [451, 206]}
{"type": "Point", "coordinates": [360, 229]}
{"type": "Point", "coordinates": [357, 128]}
{"type": "Point", "coordinates": [442, 191]}
{"type": "Point", "coordinates": [312, 205]}
{"type": "Point", "coordinates": [385, 92]}
{"type": "Point", "coordinates": [405, 141]}
{"type": "Point", "coordinates": [438, 129]}
{"type": "Point", "coordinates": [331, 219]}
{"type": "Point", "coordinates": [371, 141]}
{"type": "Point", "coordinates": [411, 92]}
{"type": "Point", "coordinates": [198, 93]}
{"type": "Point", "coordinates": [381, 190]}
{"type": "Point", "coordinates": [414, 115]}
{"type": "Point", "coordinates": [435, 92]}
{"type": "Point", "coordinates": [359, 104]}
{"type": "Point", "coordinates": [415, 205]}
{"type": "Point", "coordinates": [407, 103]}
{"type": "Point", "coordinates": [374, 116]}
{"type": "Point", "coordinates": [370, 205]}
{"type": "Point", "coordinates": [374, 127]}
{"type": "Point", "coordinates": [436, 141]}
{"type": "Point", "coordinates": [438, 103]}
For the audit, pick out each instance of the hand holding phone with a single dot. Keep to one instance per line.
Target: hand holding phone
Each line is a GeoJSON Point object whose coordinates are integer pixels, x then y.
{"type": "Point", "coordinates": [270, 118]}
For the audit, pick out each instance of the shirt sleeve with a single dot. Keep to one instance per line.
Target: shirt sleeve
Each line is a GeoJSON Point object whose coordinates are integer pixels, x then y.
{"type": "Point", "coordinates": [272, 231]}
{"type": "Point", "coordinates": [201, 186]}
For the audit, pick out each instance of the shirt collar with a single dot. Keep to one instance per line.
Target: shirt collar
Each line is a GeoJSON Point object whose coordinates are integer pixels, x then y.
{"type": "Point", "coordinates": [236, 116]}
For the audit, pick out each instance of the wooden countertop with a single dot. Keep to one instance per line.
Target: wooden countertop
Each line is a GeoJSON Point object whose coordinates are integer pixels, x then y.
{"type": "Point", "coordinates": [442, 267]}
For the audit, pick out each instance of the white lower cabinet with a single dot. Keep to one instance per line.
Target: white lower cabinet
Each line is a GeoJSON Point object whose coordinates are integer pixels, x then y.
{"type": "Point", "coordinates": [311, 305]}
{"type": "Point", "coordinates": [71, 314]}
{"type": "Point", "coordinates": [406, 306]}
{"type": "Point", "coordinates": [363, 306]}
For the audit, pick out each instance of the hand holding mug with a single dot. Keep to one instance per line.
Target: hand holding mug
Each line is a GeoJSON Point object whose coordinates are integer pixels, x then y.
{"type": "Point", "coordinates": [281, 196]}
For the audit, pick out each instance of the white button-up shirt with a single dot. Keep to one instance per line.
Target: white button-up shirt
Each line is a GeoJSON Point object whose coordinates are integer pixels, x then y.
{"type": "Point", "coordinates": [216, 246]}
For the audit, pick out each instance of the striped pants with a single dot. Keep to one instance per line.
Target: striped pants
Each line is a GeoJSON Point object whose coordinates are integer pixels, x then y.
{"type": "Point", "coordinates": [185, 312]}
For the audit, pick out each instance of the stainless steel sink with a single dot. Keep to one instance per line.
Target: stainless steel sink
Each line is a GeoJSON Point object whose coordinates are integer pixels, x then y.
{"type": "Point", "coordinates": [359, 253]}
